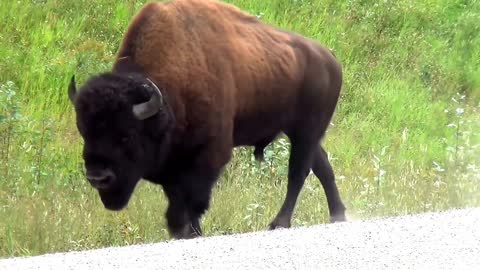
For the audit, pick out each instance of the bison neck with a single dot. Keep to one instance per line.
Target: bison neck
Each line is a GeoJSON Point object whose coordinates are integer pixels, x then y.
{"type": "Point", "coordinates": [158, 153]}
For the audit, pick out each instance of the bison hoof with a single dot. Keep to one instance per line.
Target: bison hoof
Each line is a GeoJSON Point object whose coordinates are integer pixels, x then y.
{"type": "Point", "coordinates": [279, 225]}
{"type": "Point", "coordinates": [337, 218]}
{"type": "Point", "coordinates": [188, 232]}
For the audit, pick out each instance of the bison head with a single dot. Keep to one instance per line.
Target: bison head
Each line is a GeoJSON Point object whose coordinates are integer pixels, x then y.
{"type": "Point", "coordinates": [120, 119]}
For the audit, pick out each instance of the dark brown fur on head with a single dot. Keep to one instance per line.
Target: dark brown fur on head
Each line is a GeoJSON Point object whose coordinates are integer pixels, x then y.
{"type": "Point", "coordinates": [114, 138]}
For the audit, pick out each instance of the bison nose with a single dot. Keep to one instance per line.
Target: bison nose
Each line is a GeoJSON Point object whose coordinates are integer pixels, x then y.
{"type": "Point", "coordinates": [101, 180]}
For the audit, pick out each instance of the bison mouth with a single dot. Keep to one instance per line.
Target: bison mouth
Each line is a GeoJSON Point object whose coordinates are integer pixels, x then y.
{"type": "Point", "coordinates": [116, 198]}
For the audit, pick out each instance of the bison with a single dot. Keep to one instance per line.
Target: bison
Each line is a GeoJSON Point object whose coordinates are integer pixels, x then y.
{"type": "Point", "coordinates": [192, 80]}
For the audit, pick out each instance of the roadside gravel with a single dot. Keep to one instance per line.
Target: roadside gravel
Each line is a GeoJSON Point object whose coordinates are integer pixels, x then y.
{"type": "Point", "coordinates": [446, 240]}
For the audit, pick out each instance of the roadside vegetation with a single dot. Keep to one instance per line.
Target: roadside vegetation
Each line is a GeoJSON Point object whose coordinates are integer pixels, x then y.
{"type": "Point", "coordinates": [405, 137]}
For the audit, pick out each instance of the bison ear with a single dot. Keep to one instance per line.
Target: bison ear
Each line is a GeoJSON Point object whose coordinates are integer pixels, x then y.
{"type": "Point", "coordinates": [72, 89]}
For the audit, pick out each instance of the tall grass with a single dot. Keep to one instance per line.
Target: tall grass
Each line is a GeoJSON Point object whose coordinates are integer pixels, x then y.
{"type": "Point", "coordinates": [405, 137]}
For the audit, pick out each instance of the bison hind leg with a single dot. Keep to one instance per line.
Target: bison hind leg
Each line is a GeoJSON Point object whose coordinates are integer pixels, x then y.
{"type": "Point", "coordinates": [322, 168]}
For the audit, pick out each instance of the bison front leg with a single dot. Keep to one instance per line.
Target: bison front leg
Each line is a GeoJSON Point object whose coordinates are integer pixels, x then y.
{"type": "Point", "coordinates": [179, 222]}
{"type": "Point", "coordinates": [189, 198]}
{"type": "Point", "coordinates": [188, 201]}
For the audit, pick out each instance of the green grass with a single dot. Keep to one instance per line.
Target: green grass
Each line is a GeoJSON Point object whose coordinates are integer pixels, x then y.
{"type": "Point", "coordinates": [404, 139]}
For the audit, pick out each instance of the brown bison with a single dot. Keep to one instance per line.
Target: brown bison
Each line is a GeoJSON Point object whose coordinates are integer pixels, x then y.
{"type": "Point", "coordinates": [193, 79]}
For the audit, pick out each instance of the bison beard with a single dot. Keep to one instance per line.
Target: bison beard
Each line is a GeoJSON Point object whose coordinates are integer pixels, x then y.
{"type": "Point", "coordinates": [193, 79]}
{"type": "Point", "coordinates": [116, 198]}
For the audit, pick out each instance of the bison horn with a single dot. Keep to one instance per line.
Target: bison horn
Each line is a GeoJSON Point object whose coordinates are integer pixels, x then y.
{"type": "Point", "coordinates": [72, 89]}
{"type": "Point", "coordinates": [147, 109]}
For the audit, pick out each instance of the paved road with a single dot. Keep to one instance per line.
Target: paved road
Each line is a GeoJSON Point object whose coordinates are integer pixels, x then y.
{"type": "Point", "coordinates": [448, 240]}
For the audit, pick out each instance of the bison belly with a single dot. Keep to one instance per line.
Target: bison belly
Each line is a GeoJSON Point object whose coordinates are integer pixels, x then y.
{"type": "Point", "coordinates": [259, 128]}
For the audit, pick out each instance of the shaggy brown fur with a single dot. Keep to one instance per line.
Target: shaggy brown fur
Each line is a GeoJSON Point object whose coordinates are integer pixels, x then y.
{"type": "Point", "coordinates": [227, 79]}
